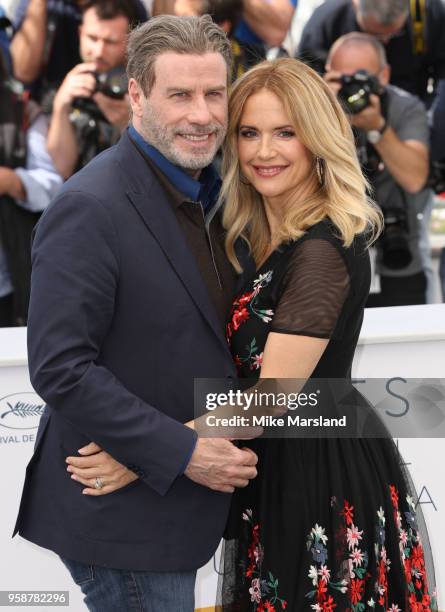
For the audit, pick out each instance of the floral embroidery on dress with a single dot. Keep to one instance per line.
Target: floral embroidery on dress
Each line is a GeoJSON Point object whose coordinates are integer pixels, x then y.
{"type": "Point", "coordinates": [243, 307]}
{"type": "Point", "coordinates": [355, 567]}
{"type": "Point", "coordinates": [411, 551]}
{"type": "Point", "coordinates": [263, 592]}
{"type": "Point", "coordinates": [320, 574]}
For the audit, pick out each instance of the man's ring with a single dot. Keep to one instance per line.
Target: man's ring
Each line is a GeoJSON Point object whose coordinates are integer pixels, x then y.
{"type": "Point", "coordinates": [98, 484]}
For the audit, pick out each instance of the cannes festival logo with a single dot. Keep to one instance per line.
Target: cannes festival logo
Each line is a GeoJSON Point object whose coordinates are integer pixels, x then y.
{"type": "Point", "coordinates": [21, 411]}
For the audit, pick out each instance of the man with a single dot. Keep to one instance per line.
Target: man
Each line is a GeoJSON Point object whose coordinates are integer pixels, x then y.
{"type": "Point", "coordinates": [414, 41]}
{"type": "Point", "coordinates": [392, 138]}
{"type": "Point", "coordinates": [131, 288]}
{"type": "Point", "coordinates": [227, 14]}
{"type": "Point", "coordinates": [78, 129]}
{"type": "Point", "coordinates": [46, 42]}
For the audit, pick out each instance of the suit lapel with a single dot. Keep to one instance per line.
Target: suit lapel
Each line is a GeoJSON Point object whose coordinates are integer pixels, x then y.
{"type": "Point", "coordinates": [157, 214]}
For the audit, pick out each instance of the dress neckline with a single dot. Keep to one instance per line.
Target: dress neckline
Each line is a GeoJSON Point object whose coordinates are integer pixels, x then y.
{"type": "Point", "coordinates": [278, 250]}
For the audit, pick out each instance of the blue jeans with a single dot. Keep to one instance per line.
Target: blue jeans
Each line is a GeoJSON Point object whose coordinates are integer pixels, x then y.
{"type": "Point", "coordinates": [114, 590]}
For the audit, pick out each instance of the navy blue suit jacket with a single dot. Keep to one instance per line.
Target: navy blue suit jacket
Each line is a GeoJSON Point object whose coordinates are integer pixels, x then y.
{"type": "Point", "coordinates": [120, 324]}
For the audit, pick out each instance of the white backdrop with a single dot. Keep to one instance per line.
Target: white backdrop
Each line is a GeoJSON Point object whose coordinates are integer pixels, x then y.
{"type": "Point", "coordinates": [407, 342]}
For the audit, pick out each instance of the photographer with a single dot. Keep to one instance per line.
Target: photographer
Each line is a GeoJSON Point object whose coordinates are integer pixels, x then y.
{"type": "Point", "coordinates": [91, 107]}
{"type": "Point", "coordinates": [411, 31]}
{"type": "Point", "coordinates": [45, 46]}
{"type": "Point", "coordinates": [28, 181]}
{"type": "Point", "coordinates": [392, 141]}
{"type": "Point", "coordinates": [227, 14]}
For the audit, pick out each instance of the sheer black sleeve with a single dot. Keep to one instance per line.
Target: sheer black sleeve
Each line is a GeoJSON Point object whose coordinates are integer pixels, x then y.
{"type": "Point", "coordinates": [313, 291]}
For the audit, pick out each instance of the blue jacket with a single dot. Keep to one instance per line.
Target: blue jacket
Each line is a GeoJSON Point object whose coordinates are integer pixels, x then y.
{"type": "Point", "coordinates": [120, 324]}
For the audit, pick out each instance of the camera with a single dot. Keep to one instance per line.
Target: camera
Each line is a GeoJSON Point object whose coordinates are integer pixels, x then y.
{"type": "Point", "coordinates": [396, 253]}
{"type": "Point", "coordinates": [356, 90]}
{"type": "Point", "coordinates": [436, 179]}
{"type": "Point", "coordinates": [113, 84]}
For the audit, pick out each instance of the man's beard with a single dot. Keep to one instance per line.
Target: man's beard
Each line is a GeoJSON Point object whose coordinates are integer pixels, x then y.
{"type": "Point", "coordinates": [163, 139]}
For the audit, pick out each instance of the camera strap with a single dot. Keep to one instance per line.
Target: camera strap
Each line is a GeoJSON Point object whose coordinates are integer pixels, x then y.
{"type": "Point", "coordinates": [418, 20]}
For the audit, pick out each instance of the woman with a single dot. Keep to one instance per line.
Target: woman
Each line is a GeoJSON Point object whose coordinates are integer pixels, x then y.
{"type": "Point", "coordinates": [328, 523]}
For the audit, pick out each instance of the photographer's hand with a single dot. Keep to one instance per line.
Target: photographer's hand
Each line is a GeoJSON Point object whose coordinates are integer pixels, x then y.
{"type": "Point", "coordinates": [62, 143]}
{"type": "Point", "coordinates": [78, 83]}
{"type": "Point", "coordinates": [10, 184]}
{"type": "Point", "coordinates": [332, 78]}
{"type": "Point", "coordinates": [405, 160]}
{"type": "Point", "coordinates": [371, 117]}
{"type": "Point", "coordinates": [117, 112]}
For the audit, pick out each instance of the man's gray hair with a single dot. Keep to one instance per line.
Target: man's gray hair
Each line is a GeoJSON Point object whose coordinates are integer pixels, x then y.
{"type": "Point", "coordinates": [360, 39]}
{"type": "Point", "coordinates": [168, 33]}
{"type": "Point", "coordinates": [384, 11]}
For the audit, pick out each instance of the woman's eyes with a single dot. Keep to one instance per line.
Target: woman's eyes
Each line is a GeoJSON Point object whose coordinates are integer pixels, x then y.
{"type": "Point", "coordinates": [254, 133]}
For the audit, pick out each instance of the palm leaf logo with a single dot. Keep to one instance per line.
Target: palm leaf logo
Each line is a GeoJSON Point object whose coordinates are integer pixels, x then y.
{"type": "Point", "coordinates": [23, 410]}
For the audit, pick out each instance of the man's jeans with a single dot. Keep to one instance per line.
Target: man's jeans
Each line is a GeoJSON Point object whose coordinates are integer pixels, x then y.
{"type": "Point", "coordinates": [113, 590]}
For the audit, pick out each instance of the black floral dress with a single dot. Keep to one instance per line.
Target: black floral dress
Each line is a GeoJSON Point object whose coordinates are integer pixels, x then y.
{"type": "Point", "coordinates": [328, 524]}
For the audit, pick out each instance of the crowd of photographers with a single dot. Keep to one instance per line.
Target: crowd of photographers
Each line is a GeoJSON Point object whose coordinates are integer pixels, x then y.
{"type": "Point", "coordinates": [63, 100]}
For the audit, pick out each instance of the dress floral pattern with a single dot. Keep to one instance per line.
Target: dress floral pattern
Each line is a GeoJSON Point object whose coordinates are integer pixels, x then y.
{"type": "Point", "coordinates": [263, 591]}
{"type": "Point", "coordinates": [244, 307]}
{"type": "Point", "coordinates": [357, 561]}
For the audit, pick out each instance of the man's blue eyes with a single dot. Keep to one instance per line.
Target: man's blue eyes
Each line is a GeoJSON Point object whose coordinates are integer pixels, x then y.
{"type": "Point", "coordinates": [184, 94]}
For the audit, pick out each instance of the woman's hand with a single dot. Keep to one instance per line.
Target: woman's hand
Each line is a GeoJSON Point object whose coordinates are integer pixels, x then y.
{"type": "Point", "coordinates": [98, 467]}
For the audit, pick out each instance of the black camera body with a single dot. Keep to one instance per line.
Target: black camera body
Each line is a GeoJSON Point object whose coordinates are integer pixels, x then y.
{"type": "Point", "coordinates": [356, 90]}
{"type": "Point", "coordinates": [436, 179]}
{"type": "Point", "coordinates": [113, 84]}
{"type": "Point", "coordinates": [396, 253]}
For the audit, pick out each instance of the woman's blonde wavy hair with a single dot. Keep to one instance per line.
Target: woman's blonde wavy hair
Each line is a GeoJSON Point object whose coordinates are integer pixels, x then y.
{"type": "Point", "coordinates": [321, 125]}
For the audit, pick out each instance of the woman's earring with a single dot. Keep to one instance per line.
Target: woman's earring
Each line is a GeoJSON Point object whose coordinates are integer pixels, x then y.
{"type": "Point", "coordinates": [319, 168]}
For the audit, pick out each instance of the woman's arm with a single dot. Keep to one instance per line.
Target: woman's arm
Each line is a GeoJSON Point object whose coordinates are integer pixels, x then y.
{"type": "Point", "coordinates": [291, 356]}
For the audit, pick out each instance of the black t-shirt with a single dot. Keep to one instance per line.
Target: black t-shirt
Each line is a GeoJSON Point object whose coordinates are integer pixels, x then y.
{"type": "Point", "coordinates": [409, 71]}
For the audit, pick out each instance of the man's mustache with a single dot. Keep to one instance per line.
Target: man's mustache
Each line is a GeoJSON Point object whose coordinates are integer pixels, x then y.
{"type": "Point", "coordinates": [199, 130]}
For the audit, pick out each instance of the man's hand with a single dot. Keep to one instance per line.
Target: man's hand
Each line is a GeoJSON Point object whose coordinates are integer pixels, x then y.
{"type": "Point", "coordinates": [220, 465]}
{"type": "Point", "coordinates": [96, 463]}
{"type": "Point", "coordinates": [370, 118]}
{"type": "Point", "coordinates": [332, 78]}
{"type": "Point", "coordinates": [78, 83]}
{"type": "Point", "coordinates": [10, 184]}
{"type": "Point", "coordinates": [116, 112]}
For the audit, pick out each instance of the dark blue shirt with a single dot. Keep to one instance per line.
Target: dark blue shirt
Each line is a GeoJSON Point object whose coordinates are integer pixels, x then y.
{"type": "Point", "coordinates": [205, 190]}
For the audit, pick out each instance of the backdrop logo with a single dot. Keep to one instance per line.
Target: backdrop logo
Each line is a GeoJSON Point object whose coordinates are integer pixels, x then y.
{"type": "Point", "coordinates": [21, 411]}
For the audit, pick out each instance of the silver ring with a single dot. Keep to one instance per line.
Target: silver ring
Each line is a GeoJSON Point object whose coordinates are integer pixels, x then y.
{"type": "Point", "coordinates": [99, 483]}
